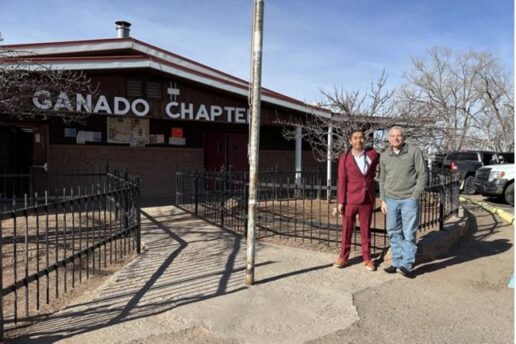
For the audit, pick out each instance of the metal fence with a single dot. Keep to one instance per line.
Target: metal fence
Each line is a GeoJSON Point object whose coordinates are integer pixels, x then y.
{"type": "Point", "coordinates": [299, 206]}
{"type": "Point", "coordinates": [50, 241]}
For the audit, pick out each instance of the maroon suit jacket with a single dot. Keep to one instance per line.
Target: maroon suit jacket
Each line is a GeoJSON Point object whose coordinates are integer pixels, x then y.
{"type": "Point", "coordinates": [354, 187]}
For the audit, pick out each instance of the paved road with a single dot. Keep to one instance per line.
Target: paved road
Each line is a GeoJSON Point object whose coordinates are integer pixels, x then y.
{"type": "Point", "coordinates": [187, 288]}
{"type": "Point", "coordinates": [462, 298]}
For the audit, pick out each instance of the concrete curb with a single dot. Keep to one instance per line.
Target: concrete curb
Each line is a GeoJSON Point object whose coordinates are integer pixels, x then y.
{"type": "Point", "coordinates": [437, 244]}
{"type": "Point", "coordinates": [505, 215]}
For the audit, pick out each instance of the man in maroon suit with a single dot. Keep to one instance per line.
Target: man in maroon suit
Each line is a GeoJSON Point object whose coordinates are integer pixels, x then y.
{"type": "Point", "coordinates": [356, 195]}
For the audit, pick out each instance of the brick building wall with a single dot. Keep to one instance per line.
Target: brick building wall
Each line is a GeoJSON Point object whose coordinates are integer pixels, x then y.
{"type": "Point", "coordinates": [157, 166]}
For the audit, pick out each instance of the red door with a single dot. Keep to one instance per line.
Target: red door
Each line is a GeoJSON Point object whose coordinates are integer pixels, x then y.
{"type": "Point", "coordinates": [214, 151]}
{"type": "Point", "coordinates": [225, 152]}
{"type": "Point", "coordinates": [237, 152]}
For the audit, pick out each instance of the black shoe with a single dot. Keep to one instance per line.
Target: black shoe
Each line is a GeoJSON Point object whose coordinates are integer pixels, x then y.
{"type": "Point", "coordinates": [390, 270]}
{"type": "Point", "coordinates": [405, 272]}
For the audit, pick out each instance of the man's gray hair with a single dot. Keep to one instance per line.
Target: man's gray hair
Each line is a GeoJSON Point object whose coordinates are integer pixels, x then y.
{"type": "Point", "coordinates": [402, 131]}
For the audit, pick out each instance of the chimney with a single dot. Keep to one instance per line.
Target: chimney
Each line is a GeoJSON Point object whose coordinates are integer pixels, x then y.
{"type": "Point", "coordinates": [122, 28]}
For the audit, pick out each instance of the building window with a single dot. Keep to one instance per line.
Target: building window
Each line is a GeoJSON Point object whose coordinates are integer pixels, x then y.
{"type": "Point", "coordinates": [153, 89]}
{"type": "Point", "coordinates": [134, 88]}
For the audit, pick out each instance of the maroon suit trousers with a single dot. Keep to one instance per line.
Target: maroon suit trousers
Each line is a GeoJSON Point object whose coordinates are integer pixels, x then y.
{"type": "Point", "coordinates": [364, 212]}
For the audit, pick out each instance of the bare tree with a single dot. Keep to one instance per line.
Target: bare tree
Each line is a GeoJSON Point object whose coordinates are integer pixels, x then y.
{"type": "Point", "coordinates": [464, 98]}
{"type": "Point", "coordinates": [371, 111]}
{"type": "Point", "coordinates": [23, 81]}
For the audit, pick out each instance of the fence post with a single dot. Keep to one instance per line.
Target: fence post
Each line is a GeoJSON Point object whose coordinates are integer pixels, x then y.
{"type": "Point", "coordinates": [222, 185]}
{"type": "Point", "coordinates": [31, 182]}
{"type": "Point", "coordinates": [126, 201]}
{"type": "Point", "coordinates": [246, 207]}
{"type": "Point", "coordinates": [178, 177]}
{"type": "Point", "coordinates": [196, 193]}
{"type": "Point", "coordinates": [275, 197]}
{"type": "Point", "coordinates": [138, 217]}
{"type": "Point", "coordinates": [455, 192]}
{"type": "Point", "coordinates": [441, 206]}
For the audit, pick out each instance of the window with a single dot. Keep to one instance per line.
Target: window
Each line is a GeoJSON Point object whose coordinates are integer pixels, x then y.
{"type": "Point", "coordinates": [467, 156]}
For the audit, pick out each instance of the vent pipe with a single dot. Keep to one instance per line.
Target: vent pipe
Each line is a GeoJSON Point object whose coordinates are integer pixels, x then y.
{"type": "Point", "coordinates": [122, 29]}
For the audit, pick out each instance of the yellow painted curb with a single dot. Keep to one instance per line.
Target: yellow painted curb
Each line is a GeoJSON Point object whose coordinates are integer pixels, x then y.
{"type": "Point", "coordinates": [505, 215]}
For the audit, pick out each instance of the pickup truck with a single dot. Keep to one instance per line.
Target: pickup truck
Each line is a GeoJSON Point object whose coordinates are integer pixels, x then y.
{"type": "Point", "coordinates": [496, 180]}
{"type": "Point", "coordinates": [466, 164]}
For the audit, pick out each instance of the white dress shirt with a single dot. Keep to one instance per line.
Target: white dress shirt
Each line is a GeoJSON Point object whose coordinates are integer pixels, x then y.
{"type": "Point", "coordinates": [362, 160]}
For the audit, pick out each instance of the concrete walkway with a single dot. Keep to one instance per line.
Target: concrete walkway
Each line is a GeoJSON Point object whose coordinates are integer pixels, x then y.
{"type": "Point", "coordinates": [188, 287]}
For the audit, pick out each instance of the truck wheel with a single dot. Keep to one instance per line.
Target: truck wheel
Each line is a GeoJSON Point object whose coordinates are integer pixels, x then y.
{"type": "Point", "coordinates": [469, 186]}
{"type": "Point", "coordinates": [509, 194]}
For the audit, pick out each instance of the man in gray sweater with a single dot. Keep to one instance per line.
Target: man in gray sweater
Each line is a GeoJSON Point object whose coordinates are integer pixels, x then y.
{"type": "Point", "coordinates": [403, 178]}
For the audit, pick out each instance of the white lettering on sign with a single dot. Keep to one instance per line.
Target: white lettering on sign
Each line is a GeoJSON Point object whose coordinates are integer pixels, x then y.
{"type": "Point", "coordinates": [138, 112]}
{"type": "Point", "coordinates": [185, 112]}
{"type": "Point", "coordinates": [215, 112]}
{"type": "Point", "coordinates": [40, 96]}
{"type": "Point", "coordinates": [118, 110]}
{"type": "Point", "coordinates": [102, 106]}
{"type": "Point", "coordinates": [63, 103]}
{"type": "Point", "coordinates": [202, 113]}
{"type": "Point", "coordinates": [240, 115]}
{"type": "Point", "coordinates": [121, 106]}
{"type": "Point", "coordinates": [168, 110]}
{"type": "Point", "coordinates": [229, 113]}
{"type": "Point", "coordinates": [82, 102]}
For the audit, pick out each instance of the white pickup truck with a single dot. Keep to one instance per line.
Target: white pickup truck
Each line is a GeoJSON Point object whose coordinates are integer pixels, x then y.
{"type": "Point", "coordinates": [496, 180]}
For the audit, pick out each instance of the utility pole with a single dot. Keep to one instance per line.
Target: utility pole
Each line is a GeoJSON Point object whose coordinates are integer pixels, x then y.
{"type": "Point", "coordinates": [254, 137]}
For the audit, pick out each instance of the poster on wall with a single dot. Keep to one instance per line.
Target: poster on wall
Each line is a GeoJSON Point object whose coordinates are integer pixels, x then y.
{"type": "Point", "coordinates": [156, 139]}
{"type": "Point", "coordinates": [70, 132]}
{"type": "Point", "coordinates": [89, 136]}
{"type": "Point", "coordinates": [134, 131]}
{"type": "Point", "coordinates": [177, 137]}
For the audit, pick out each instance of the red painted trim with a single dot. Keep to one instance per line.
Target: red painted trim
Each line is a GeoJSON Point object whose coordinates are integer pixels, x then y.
{"type": "Point", "coordinates": [81, 58]}
{"type": "Point", "coordinates": [105, 40]}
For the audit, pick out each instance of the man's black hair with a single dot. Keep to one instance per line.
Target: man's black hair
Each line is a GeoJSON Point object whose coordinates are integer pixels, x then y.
{"type": "Point", "coordinates": [357, 131]}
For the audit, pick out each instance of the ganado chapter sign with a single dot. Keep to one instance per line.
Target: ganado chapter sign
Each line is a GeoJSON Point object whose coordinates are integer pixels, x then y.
{"type": "Point", "coordinates": [140, 107]}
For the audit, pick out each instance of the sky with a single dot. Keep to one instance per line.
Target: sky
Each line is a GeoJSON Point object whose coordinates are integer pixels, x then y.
{"type": "Point", "coordinates": [308, 46]}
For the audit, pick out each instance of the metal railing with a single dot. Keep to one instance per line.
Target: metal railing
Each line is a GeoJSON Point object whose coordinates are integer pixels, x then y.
{"type": "Point", "coordinates": [296, 207]}
{"type": "Point", "coordinates": [52, 241]}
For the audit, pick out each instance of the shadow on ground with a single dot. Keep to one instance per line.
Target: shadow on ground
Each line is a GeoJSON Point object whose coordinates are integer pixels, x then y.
{"type": "Point", "coordinates": [177, 268]}
{"type": "Point", "coordinates": [481, 225]}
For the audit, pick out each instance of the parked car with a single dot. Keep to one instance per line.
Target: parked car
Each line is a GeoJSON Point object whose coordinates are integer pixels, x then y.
{"type": "Point", "coordinates": [496, 180]}
{"type": "Point", "coordinates": [466, 164]}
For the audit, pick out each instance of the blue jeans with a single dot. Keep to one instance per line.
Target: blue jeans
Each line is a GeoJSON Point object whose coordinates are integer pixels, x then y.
{"type": "Point", "coordinates": [402, 224]}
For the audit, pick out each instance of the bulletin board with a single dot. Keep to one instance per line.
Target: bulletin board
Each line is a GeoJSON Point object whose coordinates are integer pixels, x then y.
{"type": "Point", "coordinates": [134, 131]}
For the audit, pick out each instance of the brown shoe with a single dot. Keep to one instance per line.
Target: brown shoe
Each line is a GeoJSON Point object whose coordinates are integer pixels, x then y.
{"type": "Point", "coordinates": [340, 263]}
{"type": "Point", "coordinates": [369, 265]}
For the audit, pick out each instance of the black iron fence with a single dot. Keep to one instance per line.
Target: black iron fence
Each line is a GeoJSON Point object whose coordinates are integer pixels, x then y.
{"type": "Point", "coordinates": [52, 240]}
{"type": "Point", "coordinates": [299, 206]}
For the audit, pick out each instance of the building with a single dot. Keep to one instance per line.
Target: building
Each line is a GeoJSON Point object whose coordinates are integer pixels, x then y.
{"type": "Point", "coordinates": [155, 113]}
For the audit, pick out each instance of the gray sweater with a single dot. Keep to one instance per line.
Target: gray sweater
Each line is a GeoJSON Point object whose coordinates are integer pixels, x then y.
{"type": "Point", "coordinates": [402, 175]}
